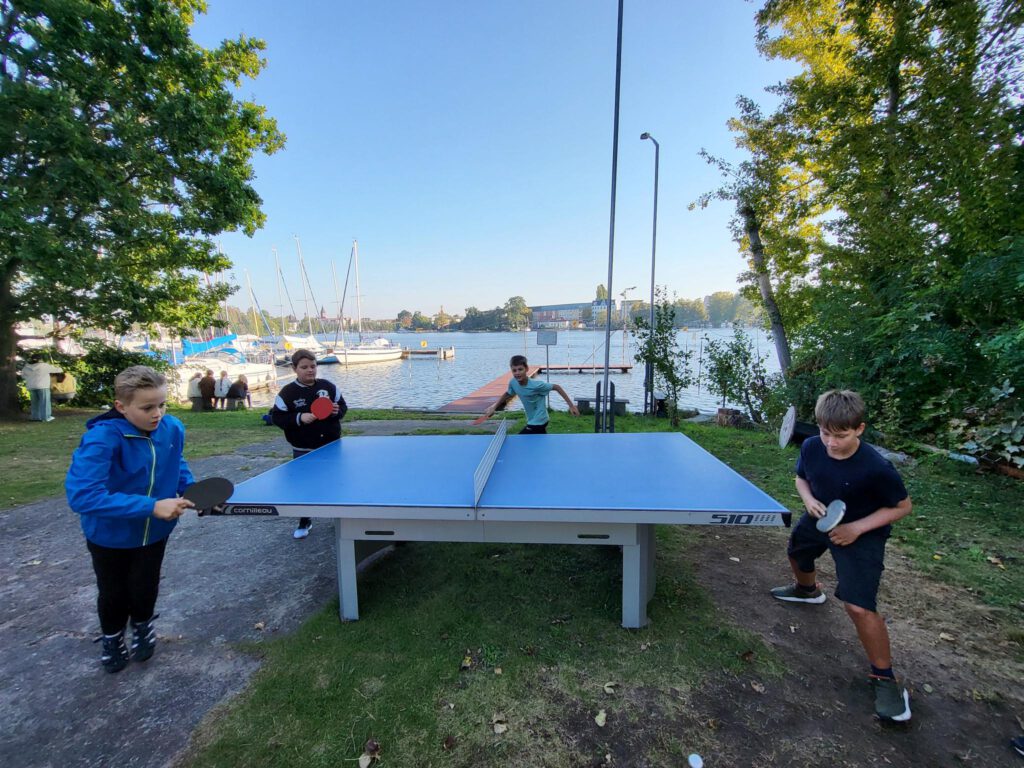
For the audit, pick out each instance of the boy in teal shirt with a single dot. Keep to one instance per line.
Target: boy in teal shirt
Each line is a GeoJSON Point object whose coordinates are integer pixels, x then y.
{"type": "Point", "coordinates": [534, 394]}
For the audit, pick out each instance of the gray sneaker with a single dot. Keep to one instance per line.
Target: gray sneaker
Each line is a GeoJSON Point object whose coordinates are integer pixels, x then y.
{"type": "Point", "coordinates": [892, 702]}
{"type": "Point", "coordinates": [791, 594]}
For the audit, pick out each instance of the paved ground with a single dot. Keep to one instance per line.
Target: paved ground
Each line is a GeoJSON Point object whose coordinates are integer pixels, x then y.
{"type": "Point", "coordinates": [222, 579]}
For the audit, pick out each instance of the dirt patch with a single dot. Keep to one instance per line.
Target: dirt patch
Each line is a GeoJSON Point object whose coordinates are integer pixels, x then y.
{"type": "Point", "coordinates": [954, 655]}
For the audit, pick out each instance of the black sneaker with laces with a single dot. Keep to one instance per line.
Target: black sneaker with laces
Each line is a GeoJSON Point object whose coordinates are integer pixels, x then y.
{"type": "Point", "coordinates": [143, 639]}
{"type": "Point", "coordinates": [115, 653]}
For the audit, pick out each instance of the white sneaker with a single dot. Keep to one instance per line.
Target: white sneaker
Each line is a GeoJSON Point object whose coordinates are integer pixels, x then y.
{"type": "Point", "coordinates": [301, 533]}
{"type": "Point", "coordinates": [50, 418]}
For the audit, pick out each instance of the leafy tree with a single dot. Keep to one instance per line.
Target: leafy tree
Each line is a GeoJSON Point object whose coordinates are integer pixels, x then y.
{"type": "Point", "coordinates": [659, 347]}
{"type": "Point", "coordinates": [404, 318]}
{"type": "Point", "coordinates": [602, 293]}
{"type": "Point", "coordinates": [690, 312]}
{"type": "Point", "coordinates": [421, 321]}
{"type": "Point", "coordinates": [442, 319]}
{"type": "Point", "coordinates": [887, 189]}
{"type": "Point", "coordinates": [736, 373]}
{"type": "Point", "coordinates": [122, 153]}
{"type": "Point", "coordinates": [517, 313]}
{"type": "Point", "coordinates": [721, 307]}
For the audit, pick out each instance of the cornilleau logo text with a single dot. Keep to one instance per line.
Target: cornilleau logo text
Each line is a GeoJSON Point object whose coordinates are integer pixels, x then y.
{"type": "Point", "coordinates": [250, 509]}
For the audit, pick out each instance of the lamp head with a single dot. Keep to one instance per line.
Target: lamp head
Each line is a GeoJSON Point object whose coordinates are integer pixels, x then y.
{"type": "Point", "coordinates": [644, 135]}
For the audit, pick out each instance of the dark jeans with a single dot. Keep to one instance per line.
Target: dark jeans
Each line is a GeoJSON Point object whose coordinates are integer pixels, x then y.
{"type": "Point", "coordinates": [128, 580]}
{"type": "Point", "coordinates": [304, 522]}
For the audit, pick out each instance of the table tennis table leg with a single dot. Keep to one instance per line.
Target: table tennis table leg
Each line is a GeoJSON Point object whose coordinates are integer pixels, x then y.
{"type": "Point", "coordinates": [348, 596]}
{"type": "Point", "coordinates": [637, 577]}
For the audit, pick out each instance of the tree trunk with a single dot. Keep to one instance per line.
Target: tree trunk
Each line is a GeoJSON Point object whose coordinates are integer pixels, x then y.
{"type": "Point", "coordinates": [9, 405]}
{"type": "Point", "coordinates": [764, 284]}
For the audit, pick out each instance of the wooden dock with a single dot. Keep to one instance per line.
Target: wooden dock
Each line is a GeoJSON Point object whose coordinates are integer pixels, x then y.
{"type": "Point", "coordinates": [587, 368]}
{"type": "Point", "coordinates": [477, 402]}
{"type": "Point", "coordinates": [441, 353]}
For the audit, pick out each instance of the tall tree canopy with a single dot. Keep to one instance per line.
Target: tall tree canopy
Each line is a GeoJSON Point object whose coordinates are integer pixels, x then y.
{"type": "Point", "coordinates": [122, 152]}
{"type": "Point", "coordinates": [889, 186]}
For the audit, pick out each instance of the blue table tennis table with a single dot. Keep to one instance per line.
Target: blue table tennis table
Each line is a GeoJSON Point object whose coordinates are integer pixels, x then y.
{"type": "Point", "coordinates": [588, 489]}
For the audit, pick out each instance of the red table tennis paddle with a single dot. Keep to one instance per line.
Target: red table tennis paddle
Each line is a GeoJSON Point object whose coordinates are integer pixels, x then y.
{"type": "Point", "coordinates": [209, 493]}
{"type": "Point", "coordinates": [322, 407]}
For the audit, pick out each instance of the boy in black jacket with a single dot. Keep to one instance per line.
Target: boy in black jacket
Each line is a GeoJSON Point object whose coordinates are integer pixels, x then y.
{"type": "Point", "coordinates": [302, 429]}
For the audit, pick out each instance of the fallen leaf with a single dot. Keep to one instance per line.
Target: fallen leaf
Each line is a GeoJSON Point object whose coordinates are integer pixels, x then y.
{"type": "Point", "coordinates": [259, 625]}
{"type": "Point", "coordinates": [364, 761]}
{"type": "Point", "coordinates": [734, 559]}
{"type": "Point", "coordinates": [792, 629]}
{"type": "Point", "coordinates": [448, 744]}
{"type": "Point", "coordinates": [757, 687]}
{"type": "Point", "coordinates": [34, 562]}
{"type": "Point", "coordinates": [947, 637]}
{"type": "Point", "coordinates": [644, 646]}
{"type": "Point", "coordinates": [609, 688]}
{"type": "Point", "coordinates": [927, 688]}
{"type": "Point", "coordinates": [467, 662]}
{"type": "Point", "coordinates": [601, 718]}
{"type": "Point", "coordinates": [499, 723]}
{"type": "Point", "coordinates": [747, 656]}
{"type": "Point", "coordinates": [372, 748]}
{"type": "Point", "coordinates": [497, 670]}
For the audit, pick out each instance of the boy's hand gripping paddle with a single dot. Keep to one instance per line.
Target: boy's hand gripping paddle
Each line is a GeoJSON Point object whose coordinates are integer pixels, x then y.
{"type": "Point", "coordinates": [833, 516]}
{"type": "Point", "coordinates": [322, 408]}
{"type": "Point", "coordinates": [478, 421]}
{"type": "Point", "coordinates": [209, 493]}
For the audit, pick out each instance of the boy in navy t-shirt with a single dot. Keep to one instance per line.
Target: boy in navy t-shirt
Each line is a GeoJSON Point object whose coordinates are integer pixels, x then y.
{"type": "Point", "coordinates": [838, 466]}
{"type": "Point", "coordinates": [533, 393]}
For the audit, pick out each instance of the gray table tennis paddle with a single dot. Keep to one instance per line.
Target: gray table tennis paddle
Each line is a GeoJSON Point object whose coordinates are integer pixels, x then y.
{"type": "Point", "coordinates": [834, 513]}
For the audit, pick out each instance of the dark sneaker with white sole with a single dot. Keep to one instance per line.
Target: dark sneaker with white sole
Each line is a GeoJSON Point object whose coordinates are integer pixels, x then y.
{"type": "Point", "coordinates": [143, 639]}
{"type": "Point", "coordinates": [115, 653]}
{"type": "Point", "coordinates": [892, 702]}
{"type": "Point", "coordinates": [794, 594]}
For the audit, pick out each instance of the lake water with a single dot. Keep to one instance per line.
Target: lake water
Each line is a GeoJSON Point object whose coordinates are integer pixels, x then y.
{"type": "Point", "coordinates": [426, 382]}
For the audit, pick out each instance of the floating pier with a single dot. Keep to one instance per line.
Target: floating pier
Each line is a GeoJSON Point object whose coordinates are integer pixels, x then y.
{"type": "Point", "coordinates": [441, 353]}
{"type": "Point", "coordinates": [477, 402]}
{"type": "Point", "coordinates": [587, 368]}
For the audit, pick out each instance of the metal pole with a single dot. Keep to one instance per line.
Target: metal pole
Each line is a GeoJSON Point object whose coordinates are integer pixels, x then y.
{"type": "Point", "coordinates": [649, 379]}
{"type": "Point", "coordinates": [611, 223]}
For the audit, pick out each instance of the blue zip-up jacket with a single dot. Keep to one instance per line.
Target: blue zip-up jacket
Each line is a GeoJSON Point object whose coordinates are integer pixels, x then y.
{"type": "Point", "coordinates": [118, 474]}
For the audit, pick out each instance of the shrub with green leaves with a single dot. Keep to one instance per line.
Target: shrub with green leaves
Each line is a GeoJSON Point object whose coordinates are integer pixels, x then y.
{"type": "Point", "coordinates": [95, 371]}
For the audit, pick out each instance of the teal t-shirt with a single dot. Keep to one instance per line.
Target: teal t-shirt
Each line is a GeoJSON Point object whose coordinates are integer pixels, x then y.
{"type": "Point", "coordinates": [534, 397]}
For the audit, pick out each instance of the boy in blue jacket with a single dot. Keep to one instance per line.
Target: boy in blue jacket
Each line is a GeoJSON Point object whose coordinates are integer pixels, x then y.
{"type": "Point", "coordinates": [124, 481]}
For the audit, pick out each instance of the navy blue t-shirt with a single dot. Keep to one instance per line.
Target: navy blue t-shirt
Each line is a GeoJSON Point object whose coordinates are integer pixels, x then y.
{"type": "Point", "coordinates": [865, 481]}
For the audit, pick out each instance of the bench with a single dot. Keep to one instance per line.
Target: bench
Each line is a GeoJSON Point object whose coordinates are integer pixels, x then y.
{"type": "Point", "coordinates": [585, 404]}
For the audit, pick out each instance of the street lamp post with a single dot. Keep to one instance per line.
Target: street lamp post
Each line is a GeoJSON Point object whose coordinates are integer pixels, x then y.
{"type": "Point", "coordinates": [649, 406]}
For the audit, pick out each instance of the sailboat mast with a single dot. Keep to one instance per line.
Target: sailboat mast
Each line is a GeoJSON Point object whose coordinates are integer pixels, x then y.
{"type": "Point", "coordinates": [302, 270]}
{"type": "Point", "coordinates": [280, 298]}
{"type": "Point", "coordinates": [359, 306]}
{"type": "Point", "coordinates": [341, 308]}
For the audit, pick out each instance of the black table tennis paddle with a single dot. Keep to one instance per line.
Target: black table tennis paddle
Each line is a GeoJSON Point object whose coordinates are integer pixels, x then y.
{"type": "Point", "coordinates": [209, 493]}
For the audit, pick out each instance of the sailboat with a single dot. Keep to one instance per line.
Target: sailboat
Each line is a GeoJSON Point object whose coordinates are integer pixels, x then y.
{"type": "Point", "coordinates": [375, 351]}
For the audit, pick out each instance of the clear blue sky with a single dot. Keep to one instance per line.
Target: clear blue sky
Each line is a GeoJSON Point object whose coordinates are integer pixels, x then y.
{"type": "Point", "coordinates": [467, 146]}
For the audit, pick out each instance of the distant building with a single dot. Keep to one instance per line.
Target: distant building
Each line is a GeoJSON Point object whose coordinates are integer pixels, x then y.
{"type": "Point", "coordinates": [558, 315]}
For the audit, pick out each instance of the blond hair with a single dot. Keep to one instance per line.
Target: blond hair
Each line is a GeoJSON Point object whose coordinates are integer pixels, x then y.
{"type": "Point", "coordinates": [839, 409]}
{"type": "Point", "coordinates": [132, 379]}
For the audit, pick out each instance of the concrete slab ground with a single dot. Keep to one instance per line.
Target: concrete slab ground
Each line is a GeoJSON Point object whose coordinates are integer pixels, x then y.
{"type": "Point", "coordinates": [222, 577]}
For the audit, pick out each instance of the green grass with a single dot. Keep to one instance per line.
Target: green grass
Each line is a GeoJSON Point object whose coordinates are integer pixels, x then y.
{"type": "Point", "coordinates": [546, 617]}
{"type": "Point", "coordinates": [34, 457]}
{"type": "Point", "coordinates": [390, 414]}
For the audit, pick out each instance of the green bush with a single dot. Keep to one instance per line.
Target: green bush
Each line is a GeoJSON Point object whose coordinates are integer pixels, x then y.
{"type": "Point", "coordinates": [95, 371]}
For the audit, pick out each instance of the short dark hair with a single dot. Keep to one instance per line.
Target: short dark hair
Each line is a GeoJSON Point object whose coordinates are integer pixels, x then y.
{"type": "Point", "coordinates": [839, 409]}
{"type": "Point", "coordinates": [517, 360]}
{"type": "Point", "coordinates": [302, 354]}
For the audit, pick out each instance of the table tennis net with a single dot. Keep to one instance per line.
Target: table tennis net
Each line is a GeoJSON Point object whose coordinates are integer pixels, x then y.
{"type": "Point", "coordinates": [483, 469]}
